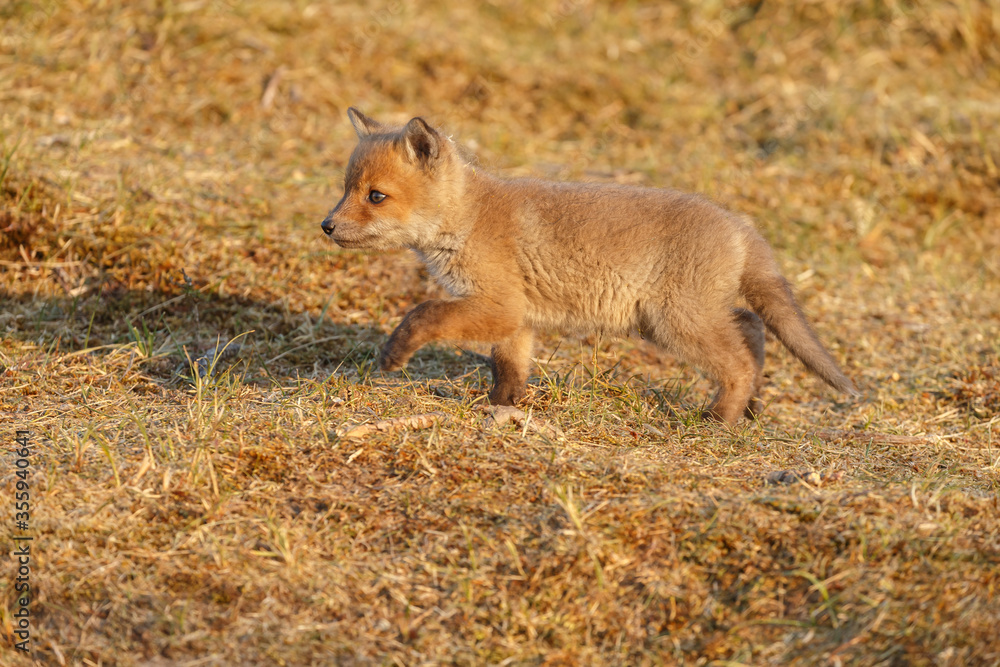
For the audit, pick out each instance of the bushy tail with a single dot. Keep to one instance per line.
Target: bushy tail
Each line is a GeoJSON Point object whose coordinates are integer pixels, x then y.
{"type": "Point", "coordinates": [770, 296]}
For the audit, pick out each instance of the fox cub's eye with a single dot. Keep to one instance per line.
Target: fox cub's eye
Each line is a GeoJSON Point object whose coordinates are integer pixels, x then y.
{"type": "Point", "coordinates": [376, 197]}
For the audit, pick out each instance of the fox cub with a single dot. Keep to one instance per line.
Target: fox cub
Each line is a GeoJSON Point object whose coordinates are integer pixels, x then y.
{"type": "Point", "coordinates": [521, 255]}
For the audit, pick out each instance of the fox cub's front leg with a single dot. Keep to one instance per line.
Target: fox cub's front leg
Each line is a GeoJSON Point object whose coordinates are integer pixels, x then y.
{"type": "Point", "coordinates": [510, 364]}
{"type": "Point", "coordinates": [466, 319]}
{"type": "Point", "coordinates": [405, 340]}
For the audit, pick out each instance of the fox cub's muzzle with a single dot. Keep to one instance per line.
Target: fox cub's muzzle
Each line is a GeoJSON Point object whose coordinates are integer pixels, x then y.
{"type": "Point", "coordinates": [330, 221]}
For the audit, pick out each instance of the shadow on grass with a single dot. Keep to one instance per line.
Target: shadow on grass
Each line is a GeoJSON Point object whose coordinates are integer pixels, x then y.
{"type": "Point", "coordinates": [182, 329]}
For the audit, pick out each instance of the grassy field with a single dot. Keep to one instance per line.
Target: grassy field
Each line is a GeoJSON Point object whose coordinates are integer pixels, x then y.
{"type": "Point", "coordinates": [164, 167]}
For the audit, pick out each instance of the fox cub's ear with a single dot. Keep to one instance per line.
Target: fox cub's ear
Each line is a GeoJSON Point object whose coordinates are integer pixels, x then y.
{"type": "Point", "coordinates": [363, 125]}
{"type": "Point", "coordinates": [422, 141]}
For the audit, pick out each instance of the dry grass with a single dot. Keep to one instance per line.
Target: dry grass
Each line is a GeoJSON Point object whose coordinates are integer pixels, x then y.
{"type": "Point", "coordinates": [164, 171]}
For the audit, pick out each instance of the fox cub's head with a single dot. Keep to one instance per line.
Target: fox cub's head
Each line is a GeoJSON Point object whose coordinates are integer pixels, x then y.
{"type": "Point", "coordinates": [397, 186]}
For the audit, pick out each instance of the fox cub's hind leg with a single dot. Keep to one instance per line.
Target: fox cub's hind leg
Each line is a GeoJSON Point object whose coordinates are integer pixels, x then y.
{"type": "Point", "coordinates": [510, 362]}
{"type": "Point", "coordinates": [725, 344]}
{"type": "Point", "coordinates": [753, 334]}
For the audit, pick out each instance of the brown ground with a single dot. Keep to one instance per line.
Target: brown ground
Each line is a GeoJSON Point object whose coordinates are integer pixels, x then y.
{"type": "Point", "coordinates": [163, 171]}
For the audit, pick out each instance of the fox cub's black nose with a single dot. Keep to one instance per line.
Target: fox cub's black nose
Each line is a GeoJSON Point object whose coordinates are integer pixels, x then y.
{"type": "Point", "coordinates": [328, 226]}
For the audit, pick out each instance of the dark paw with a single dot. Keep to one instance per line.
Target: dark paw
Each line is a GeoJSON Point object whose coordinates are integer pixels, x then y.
{"type": "Point", "coordinates": [388, 361]}
{"type": "Point", "coordinates": [716, 416]}
{"type": "Point", "coordinates": [754, 409]}
{"type": "Point", "coordinates": [506, 395]}
{"type": "Point", "coordinates": [712, 416]}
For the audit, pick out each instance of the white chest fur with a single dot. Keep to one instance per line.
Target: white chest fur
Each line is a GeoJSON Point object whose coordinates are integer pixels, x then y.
{"type": "Point", "coordinates": [444, 266]}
